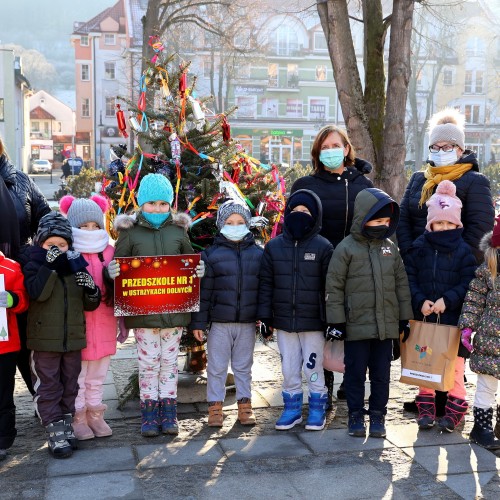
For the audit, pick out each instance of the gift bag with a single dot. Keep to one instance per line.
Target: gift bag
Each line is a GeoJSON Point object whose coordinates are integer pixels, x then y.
{"type": "Point", "coordinates": [428, 356]}
{"type": "Point", "coordinates": [333, 356]}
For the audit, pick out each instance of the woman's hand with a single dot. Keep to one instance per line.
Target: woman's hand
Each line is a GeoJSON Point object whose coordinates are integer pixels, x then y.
{"type": "Point", "coordinates": [439, 306]}
{"type": "Point", "coordinates": [427, 307]}
{"type": "Point", "coordinates": [198, 335]}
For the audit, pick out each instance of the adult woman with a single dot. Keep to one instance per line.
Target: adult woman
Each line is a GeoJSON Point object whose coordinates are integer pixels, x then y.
{"type": "Point", "coordinates": [30, 206]}
{"type": "Point", "coordinates": [337, 178]}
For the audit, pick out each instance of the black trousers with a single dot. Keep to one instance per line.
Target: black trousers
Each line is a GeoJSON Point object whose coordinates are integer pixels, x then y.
{"type": "Point", "coordinates": [23, 359]}
{"type": "Point", "coordinates": [8, 430]}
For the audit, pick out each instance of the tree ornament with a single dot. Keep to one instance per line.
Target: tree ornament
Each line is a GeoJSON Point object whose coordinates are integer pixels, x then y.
{"type": "Point", "coordinates": [226, 129]}
{"type": "Point", "coordinates": [120, 118]}
{"type": "Point", "coordinates": [135, 263]}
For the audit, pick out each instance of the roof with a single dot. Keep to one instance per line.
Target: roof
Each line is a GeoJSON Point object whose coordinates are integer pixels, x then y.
{"type": "Point", "coordinates": [116, 12]}
{"type": "Point", "coordinates": [39, 113]}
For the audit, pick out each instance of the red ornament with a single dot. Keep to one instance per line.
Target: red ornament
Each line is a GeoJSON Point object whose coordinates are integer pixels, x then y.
{"type": "Point", "coordinates": [183, 83]}
{"type": "Point", "coordinates": [148, 260]}
{"type": "Point", "coordinates": [124, 267]}
{"type": "Point", "coordinates": [122, 124]}
{"type": "Point", "coordinates": [226, 129]}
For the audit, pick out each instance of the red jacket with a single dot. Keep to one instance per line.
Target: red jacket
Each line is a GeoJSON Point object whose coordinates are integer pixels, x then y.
{"type": "Point", "coordinates": [14, 282]}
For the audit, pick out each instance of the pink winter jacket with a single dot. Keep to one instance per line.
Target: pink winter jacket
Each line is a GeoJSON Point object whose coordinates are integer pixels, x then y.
{"type": "Point", "coordinates": [101, 324]}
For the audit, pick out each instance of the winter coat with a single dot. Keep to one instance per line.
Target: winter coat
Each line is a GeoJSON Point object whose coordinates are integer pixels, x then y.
{"type": "Point", "coordinates": [139, 238]}
{"type": "Point", "coordinates": [14, 282]}
{"type": "Point", "coordinates": [56, 320]}
{"type": "Point", "coordinates": [229, 289]}
{"type": "Point", "coordinates": [366, 284]}
{"type": "Point", "coordinates": [481, 313]}
{"type": "Point", "coordinates": [292, 279]}
{"type": "Point", "coordinates": [337, 194]}
{"type": "Point", "coordinates": [440, 264]}
{"type": "Point", "coordinates": [478, 213]}
{"type": "Point", "coordinates": [30, 203]}
{"type": "Point", "coordinates": [101, 323]}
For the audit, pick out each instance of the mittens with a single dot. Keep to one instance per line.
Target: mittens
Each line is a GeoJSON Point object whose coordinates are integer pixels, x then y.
{"type": "Point", "coordinates": [200, 269]}
{"type": "Point", "coordinates": [6, 299]}
{"type": "Point", "coordinates": [404, 328]}
{"type": "Point", "coordinates": [84, 279]}
{"type": "Point", "coordinates": [466, 339]}
{"type": "Point", "coordinates": [335, 331]}
{"type": "Point", "coordinates": [53, 257]}
{"type": "Point", "coordinates": [113, 269]}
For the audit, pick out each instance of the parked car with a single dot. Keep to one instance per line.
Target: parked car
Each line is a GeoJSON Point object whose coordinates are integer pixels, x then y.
{"type": "Point", "coordinates": [41, 166]}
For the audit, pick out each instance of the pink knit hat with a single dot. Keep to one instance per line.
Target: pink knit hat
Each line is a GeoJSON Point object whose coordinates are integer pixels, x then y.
{"type": "Point", "coordinates": [444, 205]}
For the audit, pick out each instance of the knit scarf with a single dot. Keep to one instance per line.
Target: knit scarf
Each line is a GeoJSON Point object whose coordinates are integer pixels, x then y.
{"type": "Point", "coordinates": [435, 175]}
{"type": "Point", "coordinates": [89, 241]}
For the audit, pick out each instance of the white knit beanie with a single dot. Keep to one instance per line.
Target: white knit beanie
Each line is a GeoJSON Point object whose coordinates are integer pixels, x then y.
{"type": "Point", "coordinates": [448, 126]}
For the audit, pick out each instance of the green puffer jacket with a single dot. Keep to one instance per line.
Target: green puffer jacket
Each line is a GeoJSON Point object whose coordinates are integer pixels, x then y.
{"type": "Point", "coordinates": [366, 285]}
{"type": "Point", "coordinates": [138, 238]}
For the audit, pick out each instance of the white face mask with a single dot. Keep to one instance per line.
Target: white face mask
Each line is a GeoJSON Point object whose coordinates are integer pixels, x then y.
{"type": "Point", "coordinates": [444, 158]}
{"type": "Point", "coordinates": [235, 233]}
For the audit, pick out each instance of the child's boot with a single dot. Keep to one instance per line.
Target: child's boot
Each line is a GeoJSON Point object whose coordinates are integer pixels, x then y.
{"type": "Point", "coordinates": [149, 414]}
{"type": "Point", "coordinates": [168, 416]}
{"type": "Point", "coordinates": [95, 420]}
{"type": "Point", "coordinates": [497, 426]}
{"type": "Point", "coordinates": [56, 440]}
{"type": "Point", "coordinates": [292, 412]}
{"type": "Point", "coordinates": [356, 425]}
{"type": "Point", "coordinates": [482, 432]}
{"type": "Point", "coordinates": [377, 424]}
{"type": "Point", "coordinates": [80, 425]}
{"type": "Point", "coordinates": [426, 411]}
{"type": "Point", "coordinates": [215, 415]}
{"type": "Point", "coordinates": [455, 410]}
{"type": "Point", "coordinates": [246, 415]}
{"type": "Point", "coordinates": [317, 407]}
{"type": "Point", "coordinates": [69, 432]}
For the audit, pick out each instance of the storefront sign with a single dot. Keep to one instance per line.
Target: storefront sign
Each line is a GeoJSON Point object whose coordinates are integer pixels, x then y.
{"type": "Point", "coordinates": [248, 89]}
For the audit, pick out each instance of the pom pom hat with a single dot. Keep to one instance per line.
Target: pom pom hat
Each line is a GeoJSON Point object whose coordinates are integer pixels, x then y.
{"type": "Point", "coordinates": [155, 187]}
{"type": "Point", "coordinates": [447, 126]}
{"type": "Point", "coordinates": [80, 211]}
{"type": "Point", "coordinates": [495, 237]}
{"type": "Point", "coordinates": [444, 205]}
{"type": "Point", "coordinates": [229, 208]}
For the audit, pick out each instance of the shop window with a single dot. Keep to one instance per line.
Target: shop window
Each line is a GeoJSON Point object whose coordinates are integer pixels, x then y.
{"type": "Point", "coordinates": [270, 108]}
{"type": "Point", "coordinates": [318, 108]}
{"type": "Point", "coordinates": [247, 106]}
{"type": "Point", "coordinates": [294, 108]}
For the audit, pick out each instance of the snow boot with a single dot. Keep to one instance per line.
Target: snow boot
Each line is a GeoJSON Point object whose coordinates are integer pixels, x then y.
{"type": "Point", "coordinates": [149, 414]}
{"type": "Point", "coordinates": [95, 420]}
{"type": "Point", "coordinates": [69, 432]}
{"type": "Point", "coordinates": [455, 410]}
{"type": "Point", "coordinates": [426, 411]}
{"type": "Point", "coordinates": [292, 412]}
{"type": "Point", "coordinates": [56, 440]}
{"type": "Point", "coordinates": [356, 425]}
{"type": "Point", "coordinates": [3, 454]}
{"type": "Point", "coordinates": [329, 388]}
{"type": "Point", "coordinates": [215, 415]}
{"type": "Point", "coordinates": [497, 425]}
{"type": "Point", "coordinates": [168, 416]}
{"type": "Point", "coordinates": [482, 432]}
{"type": "Point", "coordinates": [317, 407]}
{"type": "Point", "coordinates": [377, 424]}
{"type": "Point", "coordinates": [246, 415]}
{"type": "Point", "coordinates": [80, 426]}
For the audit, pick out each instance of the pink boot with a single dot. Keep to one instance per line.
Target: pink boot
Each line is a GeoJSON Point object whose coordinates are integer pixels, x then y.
{"type": "Point", "coordinates": [80, 426]}
{"type": "Point", "coordinates": [95, 419]}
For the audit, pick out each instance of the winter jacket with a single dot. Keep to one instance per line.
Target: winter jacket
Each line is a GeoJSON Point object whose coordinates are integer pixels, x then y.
{"type": "Point", "coordinates": [440, 264]}
{"type": "Point", "coordinates": [30, 203]}
{"type": "Point", "coordinates": [366, 284]}
{"type": "Point", "coordinates": [481, 313]}
{"type": "Point", "coordinates": [292, 279]}
{"type": "Point", "coordinates": [101, 323]}
{"type": "Point", "coordinates": [337, 194]}
{"type": "Point", "coordinates": [229, 289]}
{"type": "Point", "coordinates": [56, 320]}
{"type": "Point", "coordinates": [139, 238]}
{"type": "Point", "coordinates": [14, 282]}
{"type": "Point", "coordinates": [478, 213]}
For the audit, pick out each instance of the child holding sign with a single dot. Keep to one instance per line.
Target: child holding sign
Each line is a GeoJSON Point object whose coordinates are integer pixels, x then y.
{"type": "Point", "coordinates": [156, 231]}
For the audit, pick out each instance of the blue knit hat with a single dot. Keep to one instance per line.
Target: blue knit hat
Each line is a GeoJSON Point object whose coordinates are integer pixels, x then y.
{"type": "Point", "coordinates": [155, 187]}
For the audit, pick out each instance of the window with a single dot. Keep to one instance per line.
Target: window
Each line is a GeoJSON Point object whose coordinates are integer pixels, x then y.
{"type": "Point", "coordinates": [472, 113]}
{"type": "Point", "coordinates": [85, 107]}
{"type": "Point", "coordinates": [35, 126]}
{"type": "Point", "coordinates": [292, 73]}
{"type": "Point", "coordinates": [479, 82]}
{"type": "Point", "coordinates": [447, 76]}
{"type": "Point", "coordinates": [294, 108]}
{"type": "Point", "coordinates": [243, 71]}
{"type": "Point", "coordinates": [321, 73]}
{"type": "Point", "coordinates": [206, 68]}
{"type": "Point", "coordinates": [320, 41]}
{"type": "Point", "coordinates": [109, 39]}
{"type": "Point", "coordinates": [419, 78]}
{"type": "Point", "coordinates": [84, 41]}
{"type": "Point", "coordinates": [272, 74]}
{"type": "Point", "coordinates": [58, 127]}
{"type": "Point", "coordinates": [474, 82]}
{"type": "Point", "coordinates": [110, 106]}
{"type": "Point", "coordinates": [318, 108]}
{"type": "Point", "coordinates": [109, 70]}
{"type": "Point", "coordinates": [475, 47]}
{"type": "Point", "coordinates": [284, 41]}
{"type": "Point", "coordinates": [85, 72]}
{"type": "Point", "coordinates": [46, 128]}
{"type": "Point", "coordinates": [1, 110]}
{"type": "Point", "coordinates": [270, 108]}
{"type": "Point", "coordinates": [247, 106]}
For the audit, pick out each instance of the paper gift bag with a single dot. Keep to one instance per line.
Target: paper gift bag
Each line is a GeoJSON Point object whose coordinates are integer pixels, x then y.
{"type": "Point", "coordinates": [428, 356]}
{"type": "Point", "coordinates": [333, 356]}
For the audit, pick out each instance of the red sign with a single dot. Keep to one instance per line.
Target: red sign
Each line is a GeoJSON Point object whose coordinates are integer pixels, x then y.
{"type": "Point", "coordinates": [157, 285]}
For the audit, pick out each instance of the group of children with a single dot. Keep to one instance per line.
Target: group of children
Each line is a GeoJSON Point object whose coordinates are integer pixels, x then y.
{"type": "Point", "coordinates": [298, 286]}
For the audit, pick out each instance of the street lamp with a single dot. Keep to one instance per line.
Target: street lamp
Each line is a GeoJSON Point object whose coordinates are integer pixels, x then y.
{"type": "Point", "coordinates": [101, 128]}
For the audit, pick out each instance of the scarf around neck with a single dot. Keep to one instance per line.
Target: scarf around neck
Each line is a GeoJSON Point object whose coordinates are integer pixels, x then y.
{"type": "Point", "coordinates": [89, 241]}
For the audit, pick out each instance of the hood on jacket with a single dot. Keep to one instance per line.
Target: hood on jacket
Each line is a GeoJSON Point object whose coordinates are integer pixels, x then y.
{"type": "Point", "coordinates": [485, 242]}
{"type": "Point", "coordinates": [367, 203]}
{"type": "Point", "coordinates": [7, 170]}
{"type": "Point", "coordinates": [362, 166]}
{"type": "Point", "coordinates": [317, 223]}
{"type": "Point", "coordinates": [125, 221]}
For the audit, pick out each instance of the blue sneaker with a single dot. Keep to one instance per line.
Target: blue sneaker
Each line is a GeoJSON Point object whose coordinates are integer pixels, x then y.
{"type": "Point", "coordinates": [292, 413]}
{"type": "Point", "coordinates": [317, 407]}
{"type": "Point", "coordinates": [357, 424]}
{"type": "Point", "coordinates": [377, 424]}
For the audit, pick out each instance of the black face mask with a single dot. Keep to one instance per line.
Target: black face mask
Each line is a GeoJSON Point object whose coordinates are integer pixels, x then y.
{"type": "Point", "coordinates": [375, 232]}
{"type": "Point", "coordinates": [298, 224]}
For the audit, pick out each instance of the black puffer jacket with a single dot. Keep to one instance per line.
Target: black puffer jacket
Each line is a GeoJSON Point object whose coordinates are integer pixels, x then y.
{"type": "Point", "coordinates": [292, 279]}
{"type": "Point", "coordinates": [337, 194]}
{"type": "Point", "coordinates": [30, 203]}
{"type": "Point", "coordinates": [478, 213]}
{"type": "Point", "coordinates": [230, 286]}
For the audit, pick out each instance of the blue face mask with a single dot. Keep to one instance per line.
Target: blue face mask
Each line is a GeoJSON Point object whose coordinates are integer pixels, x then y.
{"type": "Point", "coordinates": [332, 158]}
{"type": "Point", "coordinates": [234, 233]}
{"type": "Point", "coordinates": [444, 158]}
{"type": "Point", "coordinates": [155, 219]}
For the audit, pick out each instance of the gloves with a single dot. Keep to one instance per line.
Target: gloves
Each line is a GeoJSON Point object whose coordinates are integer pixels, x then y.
{"type": "Point", "coordinates": [6, 299]}
{"type": "Point", "coordinates": [466, 338]}
{"type": "Point", "coordinates": [335, 331]}
{"type": "Point", "coordinates": [53, 254]}
{"type": "Point", "coordinates": [404, 328]}
{"type": "Point", "coordinates": [200, 269]}
{"type": "Point", "coordinates": [113, 269]}
{"type": "Point", "coordinates": [266, 330]}
{"type": "Point", "coordinates": [84, 279]}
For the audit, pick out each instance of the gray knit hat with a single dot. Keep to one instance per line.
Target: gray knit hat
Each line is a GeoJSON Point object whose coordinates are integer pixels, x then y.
{"type": "Point", "coordinates": [80, 210]}
{"type": "Point", "coordinates": [447, 126]}
{"type": "Point", "coordinates": [53, 224]}
{"type": "Point", "coordinates": [232, 207]}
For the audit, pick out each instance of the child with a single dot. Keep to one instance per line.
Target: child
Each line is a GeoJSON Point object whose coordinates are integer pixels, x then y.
{"type": "Point", "coordinates": [156, 231]}
{"type": "Point", "coordinates": [367, 298]}
{"type": "Point", "coordinates": [228, 304]}
{"type": "Point", "coordinates": [291, 300]}
{"type": "Point", "coordinates": [91, 239]}
{"type": "Point", "coordinates": [480, 313]}
{"type": "Point", "coordinates": [440, 266]}
{"type": "Point", "coordinates": [60, 290]}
